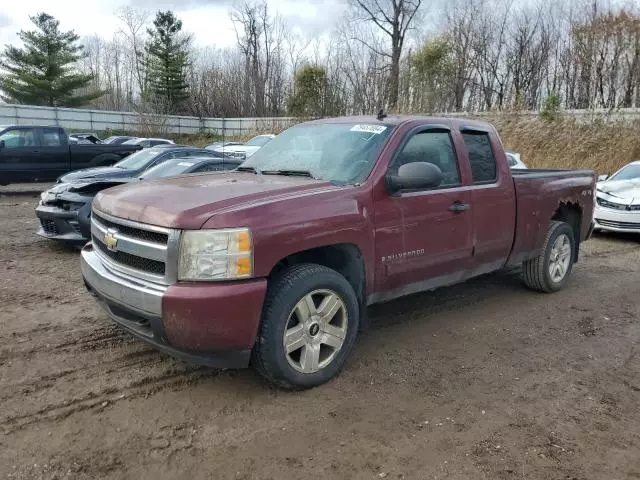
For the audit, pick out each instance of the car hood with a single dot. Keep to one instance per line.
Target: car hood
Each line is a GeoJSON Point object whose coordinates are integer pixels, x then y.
{"type": "Point", "coordinates": [188, 202]}
{"type": "Point", "coordinates": [238, 148]}
{"type": "Point", "coordinates": [622, 191]}
{"type": "Point", "coordinates": [97, 172]}
{"type": "Point", "coordinates": [83, 187]}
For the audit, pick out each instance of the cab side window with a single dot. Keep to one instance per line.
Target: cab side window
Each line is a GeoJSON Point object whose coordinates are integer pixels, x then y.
{"type": "Point", "coordinates": [483, 163]}
{"type": "Point", "coordinates": [433, 147]}
{"type": "Point", "coordinates": [18, 138]}
{"type": "Point", "coordinates": [51, 138]}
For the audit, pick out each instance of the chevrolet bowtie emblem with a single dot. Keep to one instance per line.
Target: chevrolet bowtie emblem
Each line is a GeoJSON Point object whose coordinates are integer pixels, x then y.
{"type": "Point", "coordinates": [110, 239]}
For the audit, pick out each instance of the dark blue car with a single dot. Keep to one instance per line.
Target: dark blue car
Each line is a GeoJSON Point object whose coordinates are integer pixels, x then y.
{"type": "Point", "coordinates": [64, 210]}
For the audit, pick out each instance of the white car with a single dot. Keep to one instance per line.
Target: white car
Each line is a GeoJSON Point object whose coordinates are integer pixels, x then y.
{"type": "Point", "coordinates": [617, 206]}
{"type": "Point", "coordinates": [514, 160]}
{"type": "Point", "coordinates": [245, 150]}
{"type": "Point", "coordinates": [148, 142]}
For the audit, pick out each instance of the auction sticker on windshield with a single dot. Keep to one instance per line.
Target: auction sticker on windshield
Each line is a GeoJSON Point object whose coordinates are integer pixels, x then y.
{"type": "Point", "coordinates": [369, 128]}
{"type": "Point", "coordinates": [185, 164]}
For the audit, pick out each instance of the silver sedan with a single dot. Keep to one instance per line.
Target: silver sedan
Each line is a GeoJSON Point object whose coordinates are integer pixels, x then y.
{"type": "Point", "coordinates": [618, 200]}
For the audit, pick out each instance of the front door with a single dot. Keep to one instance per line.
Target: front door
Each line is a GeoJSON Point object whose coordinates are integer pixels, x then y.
{"type": "Point", "coordinates": [425, 239]}
{"type": "Point", "coordinates": [19, 155]}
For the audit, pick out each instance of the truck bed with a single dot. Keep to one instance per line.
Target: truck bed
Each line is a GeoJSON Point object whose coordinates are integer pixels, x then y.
{"type": "Point", "coordinates": [547, 173]}
{"type": "Point", "coordinates": [542, 192]}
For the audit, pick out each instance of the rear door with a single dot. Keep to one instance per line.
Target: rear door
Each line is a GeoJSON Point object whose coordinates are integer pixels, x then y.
{"type": "Point", "coordinates": [54, 152]}
{"type": "Point", "coordinates": [20, 157]}
{"type": "Point", "coordinates": [424, 237]}
{"type": "Point", "coordinates": [493, 199]}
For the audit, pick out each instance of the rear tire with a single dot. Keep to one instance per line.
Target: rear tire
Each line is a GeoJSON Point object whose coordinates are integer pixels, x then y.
{"type": "Point", "coordinates": [550, 271]}
{"type": "Point", "coordinates": [309, 325]}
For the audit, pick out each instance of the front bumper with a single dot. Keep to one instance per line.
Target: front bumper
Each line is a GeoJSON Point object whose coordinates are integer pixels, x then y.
{"type": "Point", "coordinates": [616, 220]}
{"type": "Point", "coordinates": [64, 225]}
{"type": "Point", "coordinates": [212, 324]}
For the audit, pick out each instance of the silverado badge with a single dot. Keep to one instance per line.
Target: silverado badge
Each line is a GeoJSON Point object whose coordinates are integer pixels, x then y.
{"type": "Point", "coordinates": [110, 239]}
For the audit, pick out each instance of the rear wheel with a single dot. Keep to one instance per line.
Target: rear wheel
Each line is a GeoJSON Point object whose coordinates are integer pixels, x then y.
{"type": "Point", "coordinates": [549, 272]}
{"type": "Point", "coordinates": [309, 325]}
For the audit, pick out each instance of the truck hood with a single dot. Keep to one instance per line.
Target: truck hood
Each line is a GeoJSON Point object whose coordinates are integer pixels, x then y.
{"type": "Point", "coordinates": [97, 172]}
{"type": "Point", "coordinates": [622, 191]}
{"type": "Point", "coordinates": [188, 202]}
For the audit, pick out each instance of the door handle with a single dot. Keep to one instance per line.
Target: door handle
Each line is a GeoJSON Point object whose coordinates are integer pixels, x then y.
{"type": "Point", "coordinates": [459, 207]}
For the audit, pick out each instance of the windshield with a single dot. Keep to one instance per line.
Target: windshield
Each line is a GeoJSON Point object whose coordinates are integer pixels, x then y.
{"type": "Point", "coordinates": [339, 152]}
{"type": "Point", "coordinates": [139, 159]}
{"type": "Point", "coordinates": [630, 172]}
{"type": "Point", "coordinates": [259, 141]}
{"type": "Point", "coordinates": [133, 141]}
{"type": "Point", "coordinates": [170, 168]}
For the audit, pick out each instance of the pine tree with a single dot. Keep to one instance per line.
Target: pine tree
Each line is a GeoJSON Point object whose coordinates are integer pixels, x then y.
{"type": "Point", "coordinates": [166, 63]}
{"type": "Point", "coordinates": [42, 73]}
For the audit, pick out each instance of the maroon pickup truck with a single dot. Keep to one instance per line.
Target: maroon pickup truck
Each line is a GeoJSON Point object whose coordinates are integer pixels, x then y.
{"type": "Point", "coordinates": [274, 264]}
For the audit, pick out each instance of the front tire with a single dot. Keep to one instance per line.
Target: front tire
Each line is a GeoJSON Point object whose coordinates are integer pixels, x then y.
{"type": "Point", "coordinates": [309, 325]}
{"type": "Point", "coordinates": [550, 271]}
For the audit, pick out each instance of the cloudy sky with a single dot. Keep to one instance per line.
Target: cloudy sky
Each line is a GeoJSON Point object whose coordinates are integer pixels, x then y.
{"type": "Point", "coordinates": [207, 20]}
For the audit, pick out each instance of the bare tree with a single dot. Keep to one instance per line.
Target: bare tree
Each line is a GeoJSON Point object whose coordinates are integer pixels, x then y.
{"type": "Point", "coordinates": [394, 18]}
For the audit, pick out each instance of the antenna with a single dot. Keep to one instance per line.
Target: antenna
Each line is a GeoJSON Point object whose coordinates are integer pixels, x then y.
{"type": "Point", "coordinates": [381, 115]}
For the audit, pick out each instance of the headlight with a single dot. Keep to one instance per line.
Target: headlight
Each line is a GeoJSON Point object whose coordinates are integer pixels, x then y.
{"type": "Point", "coordinates": [215, 255]}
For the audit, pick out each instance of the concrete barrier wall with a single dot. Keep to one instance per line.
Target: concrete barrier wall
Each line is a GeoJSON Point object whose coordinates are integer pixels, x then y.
{"type": "Point", "coordinates": [100, 120]}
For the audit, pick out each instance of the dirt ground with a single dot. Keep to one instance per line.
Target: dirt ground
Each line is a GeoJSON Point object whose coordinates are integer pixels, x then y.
{"type": "Point", "coordinates": [486, 380]}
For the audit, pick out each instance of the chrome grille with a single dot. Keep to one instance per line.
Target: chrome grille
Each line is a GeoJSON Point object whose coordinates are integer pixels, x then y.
{"type": "Point", "coordinates": [144, 251]}
{"type": "Point", "coordinates": [147, 235]}
{"type": "Point", "coordinates": [133, 261]}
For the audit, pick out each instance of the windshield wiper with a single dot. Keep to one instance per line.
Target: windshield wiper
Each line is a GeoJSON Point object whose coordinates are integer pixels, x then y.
{"type": "Point", "coordinates": [289, 172]}
{"type": "Point", "coordinates": [248, 169]}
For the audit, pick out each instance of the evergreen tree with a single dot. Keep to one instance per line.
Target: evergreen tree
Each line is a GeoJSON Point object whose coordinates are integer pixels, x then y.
{"type": "Point", "coordinates": [166, 64]}
{"type": "Point", "coordinates": [43, 73]}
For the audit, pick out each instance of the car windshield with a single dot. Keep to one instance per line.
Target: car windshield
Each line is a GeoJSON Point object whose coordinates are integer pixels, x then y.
{"type": "Point", "coordinates": [338, 152]}
{"type": "Point", "coordinates": [259, 141]}
{"type": "Point", "coordinates": [133, 141]}
{"type": "Point", "coordinates": [630, 172]}
{"type": "Point", "coordinates": [170, 168]}
{"type": "Point", "coordinates": [139, 159]}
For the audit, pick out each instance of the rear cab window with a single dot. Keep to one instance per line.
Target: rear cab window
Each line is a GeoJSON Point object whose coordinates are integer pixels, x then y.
{"type": "Point", "coordinates": [481, 156]}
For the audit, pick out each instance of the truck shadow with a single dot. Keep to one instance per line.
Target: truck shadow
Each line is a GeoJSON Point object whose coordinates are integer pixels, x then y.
{"type": "Point", "coordinates": [460, 296]}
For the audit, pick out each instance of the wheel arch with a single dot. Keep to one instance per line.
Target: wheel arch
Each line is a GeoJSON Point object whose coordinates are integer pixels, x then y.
{"type": "Point", "coordinates": [571, 213]}
{"type": "Point", "coordinates": [345, 258]}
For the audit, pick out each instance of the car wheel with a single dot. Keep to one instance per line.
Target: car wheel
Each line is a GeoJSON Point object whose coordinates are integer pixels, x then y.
{"type": "Point", "coordinates": [549, 272]}
{"type": "Point", "coordinates": [309, 325]}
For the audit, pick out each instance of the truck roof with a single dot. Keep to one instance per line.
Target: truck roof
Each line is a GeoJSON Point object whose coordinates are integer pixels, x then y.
{"type": "Point", "coordinates": [400, 119]}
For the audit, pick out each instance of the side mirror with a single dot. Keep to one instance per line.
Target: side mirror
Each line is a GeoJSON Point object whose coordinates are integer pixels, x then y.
{"type": "Point", "coordinates": [602, 178]}
{"type": "Point", "coordinates": [415, 176]}
{"type": "Point", "coordinates": [1, 144]}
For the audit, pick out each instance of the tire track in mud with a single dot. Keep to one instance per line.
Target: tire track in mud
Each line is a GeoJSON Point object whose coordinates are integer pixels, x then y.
{"type": "Point", "coordinates": [93, 341]}
{"type": "Point", "coordinates": [148, 385]}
